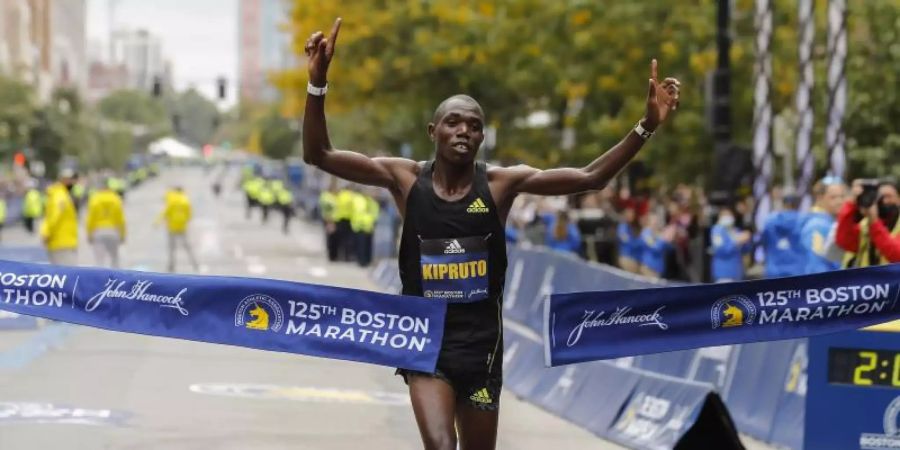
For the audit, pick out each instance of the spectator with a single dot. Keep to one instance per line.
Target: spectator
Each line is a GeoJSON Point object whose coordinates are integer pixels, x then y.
{"type": "Point", "coordinates": [780, 239]}
{"type": "Point", "coordinates": [562, 234]}
{"type": "Point", "coordinates": [871, 234]}
{"type": "Point", "coordinates": [630, 244]}
{"type": "Point", "coordinates": [819, 224]}
{"type": "Point", "coordinates": [728, 247]}
{"type": "Point", "coordinates": [657, 242]}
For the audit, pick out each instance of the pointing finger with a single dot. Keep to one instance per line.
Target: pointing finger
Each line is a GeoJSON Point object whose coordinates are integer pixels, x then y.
{"type": "Point", "coordinates": [653, 69]}
{"type": "Point", "coordinates": [334, 30]}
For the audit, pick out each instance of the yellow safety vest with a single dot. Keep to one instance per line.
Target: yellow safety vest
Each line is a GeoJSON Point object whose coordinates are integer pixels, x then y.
{"type": "Point", "coordinates": [327, 200]}
{"type": "Point", "coordinates": [105, 211]}
{"type": "Point", "coordinates": [32, 206]}
{"type": "Point", "coordinates": [60, 226]}
{"type": "Point", "coordinates": [862, 257]}
{"type": "Point", "coordinates": [177, 212]}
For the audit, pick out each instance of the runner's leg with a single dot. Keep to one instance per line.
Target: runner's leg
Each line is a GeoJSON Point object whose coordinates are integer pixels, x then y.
{"type": "Point", "coordinates": [434, 404]}
{"type": "Point", "coordinates": [477, 428]}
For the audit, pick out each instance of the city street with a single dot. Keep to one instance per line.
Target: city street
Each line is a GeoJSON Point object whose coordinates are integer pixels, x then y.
{"type": "Point", "coordinates": [65, 386]}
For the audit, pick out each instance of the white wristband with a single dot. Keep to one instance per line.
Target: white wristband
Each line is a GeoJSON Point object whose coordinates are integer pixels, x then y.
{"type": "Point", "coordinates": [317, 91]}
{"type": "Point", "coordinates": [642, 132]}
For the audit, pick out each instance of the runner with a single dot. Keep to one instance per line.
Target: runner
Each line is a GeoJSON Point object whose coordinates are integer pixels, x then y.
{"type": "Point", "coordinates": [452, 245]}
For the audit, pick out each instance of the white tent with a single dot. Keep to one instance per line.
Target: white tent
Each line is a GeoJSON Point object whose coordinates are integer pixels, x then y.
{"type": "Point", "coordinates": [173, 148]}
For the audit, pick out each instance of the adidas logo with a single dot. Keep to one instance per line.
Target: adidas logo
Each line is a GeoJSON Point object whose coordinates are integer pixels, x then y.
{"type": "Point", "coordinates": [481, 396]}
{"type": "Point", "coordinates": [453, 247]}
{"type": "Point", "coordinates": [477, 207]}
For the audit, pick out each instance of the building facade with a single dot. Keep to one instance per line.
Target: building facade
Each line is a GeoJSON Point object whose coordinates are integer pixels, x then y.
{"type": "Point", "coordinates": [263, 47]}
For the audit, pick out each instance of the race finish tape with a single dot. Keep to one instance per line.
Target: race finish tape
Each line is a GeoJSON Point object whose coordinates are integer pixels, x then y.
{"type": "Point", "coordinates": [589, 326]}
{"type": "Point", "coordinates": [324, 321]}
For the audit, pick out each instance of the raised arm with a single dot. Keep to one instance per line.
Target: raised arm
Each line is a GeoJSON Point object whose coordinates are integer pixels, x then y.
{"type": "Point", "coordinates": [662, 98]}
{"type": "Point", "coordinates": [317, 149]}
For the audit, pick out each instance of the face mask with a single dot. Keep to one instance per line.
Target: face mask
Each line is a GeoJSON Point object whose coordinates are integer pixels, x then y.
{"type": "Point", "coordinates": [727, 221]}
{"type": "Point", "coordinates": [887, 212]}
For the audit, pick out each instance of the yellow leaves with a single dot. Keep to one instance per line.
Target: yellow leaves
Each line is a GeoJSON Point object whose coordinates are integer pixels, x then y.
{"type": "Point", "coordinates": [635, 53]}
{"type": "Point", "coordinates": [669, 51]}
{"type": "Point", "coordinates": [581, 17]}
{"type": "Point", "coordinates": [532, 49]}
{"type": "Point", "coordinates": [402, 64]}
{"type": "Point", "coordinates": [702, 62]}
{"type": "Point", "coordinates": [486, 9]}
{"type": "Point", "coordinates": [575, 89]}
{"type": "Point", "coordinates": [608, 83]}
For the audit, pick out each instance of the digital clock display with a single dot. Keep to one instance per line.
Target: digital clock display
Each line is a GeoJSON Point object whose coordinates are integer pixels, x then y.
{"type": "Point", "coordinates": [864, 367]}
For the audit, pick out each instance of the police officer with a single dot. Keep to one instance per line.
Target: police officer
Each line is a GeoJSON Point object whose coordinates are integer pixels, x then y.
{"type": "Point", "coordinates": [265, 196]}
{"type": "Point", "coordinates": [32, 206]}
{"type": "Point", "coordinates": [327, 203]}
{"type": "Point", "coordinates": [177, 214]}
{"type": "Point", "coordinates": [285, 200]}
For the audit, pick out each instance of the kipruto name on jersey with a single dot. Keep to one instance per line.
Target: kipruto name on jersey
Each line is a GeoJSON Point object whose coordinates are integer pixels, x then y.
{"type": "Point", "coordinates": [454, 271]}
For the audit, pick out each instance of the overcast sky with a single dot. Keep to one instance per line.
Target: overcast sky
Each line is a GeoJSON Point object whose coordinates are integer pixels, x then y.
{"type": "Point", "coordinates": [199, 37]}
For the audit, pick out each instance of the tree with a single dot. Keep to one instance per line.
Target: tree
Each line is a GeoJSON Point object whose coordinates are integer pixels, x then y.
{"type": "Point", "coordinates": [277, 138]}
{"type": "Point", "coordinates": [197, 117]}
{"type": "Point", "coordinates": [16, 115]}
{"type": "Point", "coordinates": [584, 63]}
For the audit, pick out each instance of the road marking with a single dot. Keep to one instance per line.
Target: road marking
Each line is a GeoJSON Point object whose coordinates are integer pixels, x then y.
{"type": "Point", "coordinates": [48, 413]}
{"type": "Point", "coordinates": [318, 272]}
{"type": "Point", "coordinates": [301, 393]}
{"type": "Point", "coordinates": [49, 336]}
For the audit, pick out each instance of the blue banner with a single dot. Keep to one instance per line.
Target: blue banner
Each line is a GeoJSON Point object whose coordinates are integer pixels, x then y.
{"type": "Point", "coordinates": [601, 325]}
{"type": "Point", "coordinates": [283, 316]}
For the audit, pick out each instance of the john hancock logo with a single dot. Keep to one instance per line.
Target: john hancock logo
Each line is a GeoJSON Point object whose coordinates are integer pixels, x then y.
{"type": "Point", "coordinates": [259, 312]}
{"type": "Point", "coordinates": [733, 311]}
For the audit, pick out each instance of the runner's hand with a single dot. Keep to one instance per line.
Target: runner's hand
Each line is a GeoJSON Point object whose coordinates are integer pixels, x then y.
{"type": "Point", "coordinates": [662, 99]}
{"type": "Point", "coordinates": [319, 51]}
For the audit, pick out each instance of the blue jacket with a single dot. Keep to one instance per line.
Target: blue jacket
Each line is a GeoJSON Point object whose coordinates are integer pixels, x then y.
{"type": "Point", "coordinates": [572, 242]}
{"type": "Point", "coordinates": [781, 241]}
{"type": "Point", "coordinates": [727, 259]}
{"type": "Point", "coordinates": [653, 253]}
{"type": "Point", "coordinates": [630, 243]}
{"type": "Point", "coordinates": [813, 237]}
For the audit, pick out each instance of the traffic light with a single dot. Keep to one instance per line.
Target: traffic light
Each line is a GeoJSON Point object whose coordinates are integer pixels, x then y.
{"type": "Point", "coordinates": [19, 159]}
{"type": "Point", "coordinates": [207, 150]}
{"type": "Point", "coordinates": [223, 84]}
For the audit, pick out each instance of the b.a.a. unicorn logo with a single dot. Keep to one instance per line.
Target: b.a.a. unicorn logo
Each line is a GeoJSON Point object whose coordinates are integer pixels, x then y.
{"type": "Point", "coordinates": [259, 312]}
{"type": "Point", "coordinates": [733, 311]}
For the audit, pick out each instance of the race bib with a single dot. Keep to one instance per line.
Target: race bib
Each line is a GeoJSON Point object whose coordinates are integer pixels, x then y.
{"type": "Point", "coordinates": [455, 270]}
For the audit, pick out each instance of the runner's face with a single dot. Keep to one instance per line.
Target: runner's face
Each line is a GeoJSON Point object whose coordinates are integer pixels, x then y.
{"type": "Point", "coordinates": [459, 133]}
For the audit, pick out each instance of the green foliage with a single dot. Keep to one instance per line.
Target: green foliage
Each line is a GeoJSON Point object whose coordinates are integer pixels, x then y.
{"type": "Point", "coordinates": [277, 138]}
{"type": "Point", "coordinates": [134, 107]}
{"type": "Point", "coordinates": [198, 117]}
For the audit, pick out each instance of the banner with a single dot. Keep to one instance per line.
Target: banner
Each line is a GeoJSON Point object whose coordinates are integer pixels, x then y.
{"type": "Point", "coordinates": [589, 326]}
{"type": "Point", "coordinates": [329, 322]}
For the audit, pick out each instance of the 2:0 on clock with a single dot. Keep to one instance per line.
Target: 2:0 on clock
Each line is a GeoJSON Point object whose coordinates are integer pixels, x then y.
{"type": "Point", "coordinates": [864, 367]}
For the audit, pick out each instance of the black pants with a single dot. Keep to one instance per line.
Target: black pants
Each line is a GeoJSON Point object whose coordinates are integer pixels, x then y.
{"type": "Point", "coordinates": [265, 210]}
{"type": "Point", "coordinates": [364, 248]}
{"type": "Point", "coordinates": [287, 211]}
{"type": "Point", "coordinates": [346, 243]}
{"type": "Point", "coordinates": [29, 224]}
{"type": "Point", "coordinates": [331, 242]}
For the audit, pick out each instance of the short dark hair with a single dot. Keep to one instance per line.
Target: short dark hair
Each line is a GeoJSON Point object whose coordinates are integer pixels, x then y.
{"type": "Point", "coordinates": [441, 110]}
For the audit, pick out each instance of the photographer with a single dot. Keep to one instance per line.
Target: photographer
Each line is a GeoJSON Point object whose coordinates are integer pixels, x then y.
{"type": "Point", "coordinates": [868, 226]}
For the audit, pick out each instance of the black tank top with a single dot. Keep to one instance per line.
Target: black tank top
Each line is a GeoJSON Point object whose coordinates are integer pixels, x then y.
{"type": "Point", "coordinates": [457, 251]}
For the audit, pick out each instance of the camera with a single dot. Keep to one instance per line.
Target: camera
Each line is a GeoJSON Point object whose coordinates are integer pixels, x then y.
{"type": "Point", "coordinates": [869, 193]}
